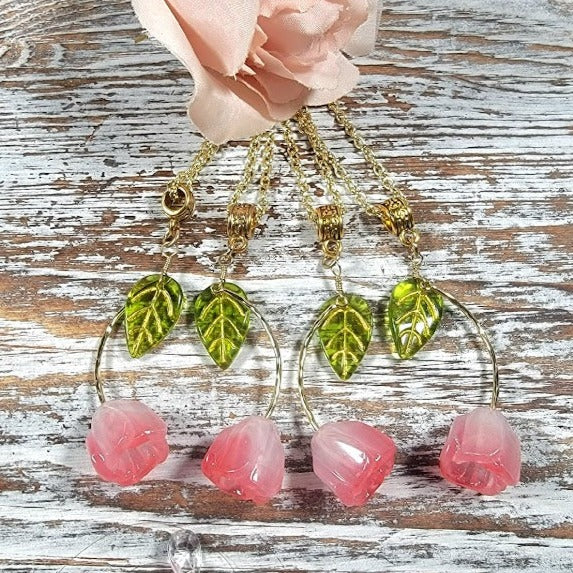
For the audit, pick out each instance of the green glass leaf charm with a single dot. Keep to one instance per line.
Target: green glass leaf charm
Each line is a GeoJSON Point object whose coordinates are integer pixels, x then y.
{"type": "Point", "coordinates": [345, 334]}
{"type": "Point", "coordinates": [222, 322]}
{"type": "Point", "coordinates": [414, 312]}
{"type": "Point", "coordinates": [152, 309]}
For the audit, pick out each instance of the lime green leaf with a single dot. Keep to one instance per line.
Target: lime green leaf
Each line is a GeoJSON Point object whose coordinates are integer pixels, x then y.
{"type": "Point", "coordinates": [345, 333]}
{"type": "Point", "coordinates": [414, 313]}
{"type": "Point", "coordinates": [152, 309]}
{"type": "Point", "coordinates": [222, 322]}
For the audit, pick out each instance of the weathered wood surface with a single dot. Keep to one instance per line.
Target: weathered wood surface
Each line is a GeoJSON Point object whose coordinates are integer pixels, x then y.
{"type": "Point", "coordinates": [471, 103]}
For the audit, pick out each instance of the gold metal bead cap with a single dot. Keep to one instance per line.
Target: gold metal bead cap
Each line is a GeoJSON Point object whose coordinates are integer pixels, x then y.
{"type": "Point", "coordinates": [329, 223]}
{"type": "Point", "coordinates": [241, 225]}
{"type": "Point", "coordinates": [396, 216]}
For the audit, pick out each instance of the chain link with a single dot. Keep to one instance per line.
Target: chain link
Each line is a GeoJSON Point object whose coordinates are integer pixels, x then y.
{"type": "Point", "coordinates": [295, 162]}
{"type": "Point", "coordinates": [267, 158]}
{"type": "Point", "coordinates": [331, 247]}
{"type": "Point", "coordinates": [409, 238]}
{"type": "Point", "coordinates": [248, 171]}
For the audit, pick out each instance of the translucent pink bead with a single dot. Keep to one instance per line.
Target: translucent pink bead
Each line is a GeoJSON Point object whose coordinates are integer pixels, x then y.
{"type": "Point", "coordinates": [126, 441]}
{"type": "Point", "coordinates": [482, 452]}
{"type": "Point", "coordinates": [247, 460]}
{"type": "Point", "coordinates": [352, 459]}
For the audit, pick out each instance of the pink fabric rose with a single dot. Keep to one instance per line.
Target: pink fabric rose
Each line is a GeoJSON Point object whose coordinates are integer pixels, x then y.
{"type": "Point", "coordinates": [257, 62]}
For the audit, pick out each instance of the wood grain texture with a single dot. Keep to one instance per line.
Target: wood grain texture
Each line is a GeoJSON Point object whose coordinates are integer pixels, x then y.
{"type": "Point", "coordinates": [471, 104]}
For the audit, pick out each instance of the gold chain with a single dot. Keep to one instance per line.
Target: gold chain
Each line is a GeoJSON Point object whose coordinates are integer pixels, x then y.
{"type": "Point", "coordinates": [397, 208]}
{"type": "Point", "coordinates": [295, 162]}
{"type": "Point", "coordinates": [402, 225]}
{"type": "Point", "coordinates": [321, 155]}
{"type": "Point", "coordinates": [257, 158]}
{"type": "Point", "coordinates": [267, 158]}
{"type": "Point", "coordinates": [329, 163]}
{"type": "Point", "coordinates": [242, 219]}
{"type": "Point", "coordinates": [189, 176]}
{"type": "Point", "coordinates": [382, 174]}
{"type": "Point", "coordinates": [329, 219]}
{"type": "Point", "coordinates": [349, 184]}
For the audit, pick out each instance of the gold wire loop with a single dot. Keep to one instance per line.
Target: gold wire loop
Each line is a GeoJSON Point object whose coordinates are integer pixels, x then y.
{"type": "Point", "coordinates": [495, 387]}
{"type": "Point", "coordinates": [274, 344]}
{"type": "Point", "coordinates": [337, 272]}
{"type": "Point", "coordinates": [311, 417]}
{"type": "Point", "coordinates": [119, 317]}
{"type": "Point", "coordinates": [101, 347]}
{"type": "Point", "coordinates": [226, 258]}
{"type": "Point", "coordinates": [225, 261]}
{"type": "Point", "coordinates": [172, 234]}
{"type": "Point", "coordinates": [238, 244]}
{"type": "Point", "coordinates": [332, 251]}
{"type": "Point", "coordinates": [178, 201]}
{"type": "Point", "coordinates": [241, 225]}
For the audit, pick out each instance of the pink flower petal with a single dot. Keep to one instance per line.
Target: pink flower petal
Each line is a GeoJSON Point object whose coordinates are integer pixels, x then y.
{"type": "Point", "coordinates": [126, 441]}
{"type": "Point", "coordinates": [247, 460]}
{"type": "Point", "coordinates": [347, 78]}
{"type": "Point", "coordinates": [296, 33]}
{"type": "Point", "coordinates": [482, 452]}
{"type": "Point", "coordinates": [352, 459]}
{"type": "Point", "coordinates": [221, 32]}
{"type": "Point", "coordinates": [363, 41]}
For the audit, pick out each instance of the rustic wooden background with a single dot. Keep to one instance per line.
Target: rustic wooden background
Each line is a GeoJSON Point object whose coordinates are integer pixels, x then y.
{"type": "Point", "coordinates": [471, 103]}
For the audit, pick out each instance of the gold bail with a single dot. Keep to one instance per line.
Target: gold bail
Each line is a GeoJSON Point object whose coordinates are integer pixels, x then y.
{"type": "Point", "coordinates": [178, 202]}
{"type": "Point", "coordinates": [396, 216]}
{"type": "Point", "coordinates": [330, 227]}
{"type": "Point", "coordinates": [329, 223]}
{"type": "Point", "coordinates": [241, 224]}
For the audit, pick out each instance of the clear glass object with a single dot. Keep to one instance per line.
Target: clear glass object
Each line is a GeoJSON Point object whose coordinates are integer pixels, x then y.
{"type": "Point", "coordinates": [184, 552]}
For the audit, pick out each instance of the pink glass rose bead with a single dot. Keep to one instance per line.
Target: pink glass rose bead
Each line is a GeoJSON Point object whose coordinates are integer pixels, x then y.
{"type": "Point", "coordinates": [352, 459]}
{"type": "Point", "coordinates": [247, 460]}
{"type": "Point", "coordinates": [126, 441]}
{"type": "Point", "coordinates": [482, 452]}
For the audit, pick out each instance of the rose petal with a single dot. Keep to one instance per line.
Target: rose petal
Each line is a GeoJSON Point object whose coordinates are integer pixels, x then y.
{"type": "Point", "coordinates": [363, 41]}
{"type": "Point", "coordinates": [220, 32]}
{"type": "Point", "coordinates": [347, 78]}
{"type": "Point", "coordinates": [256, 62]}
